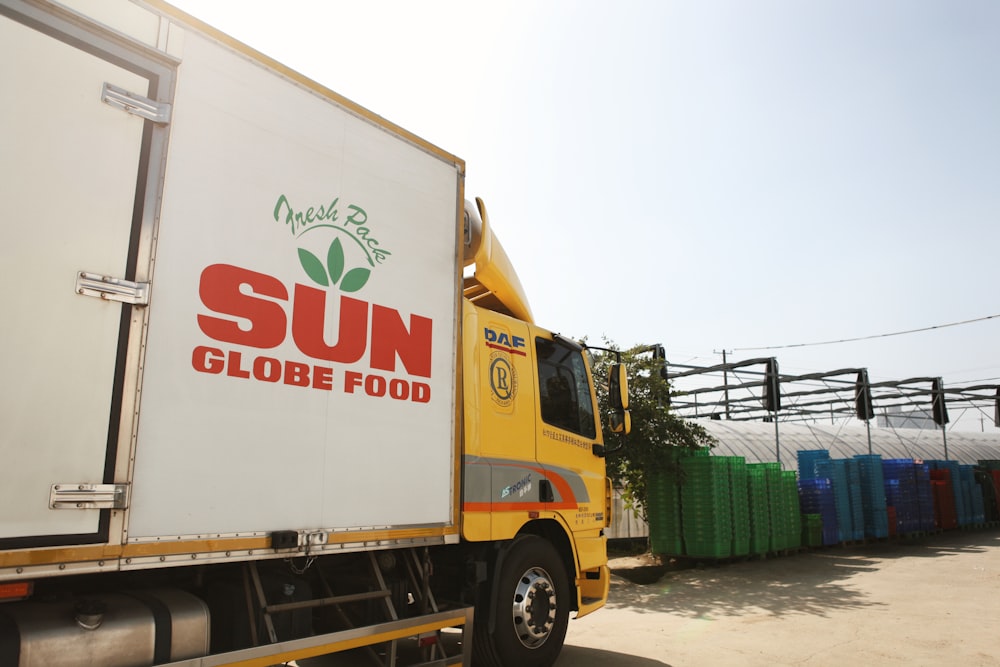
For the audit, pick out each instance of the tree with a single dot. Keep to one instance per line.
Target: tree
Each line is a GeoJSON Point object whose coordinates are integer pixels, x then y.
{"type": "Point", "coordinates": [656, 432]}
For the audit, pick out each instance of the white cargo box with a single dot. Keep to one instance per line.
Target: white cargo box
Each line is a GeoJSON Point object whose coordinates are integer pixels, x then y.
{"type": "Point", "coordinates": [240, 301]}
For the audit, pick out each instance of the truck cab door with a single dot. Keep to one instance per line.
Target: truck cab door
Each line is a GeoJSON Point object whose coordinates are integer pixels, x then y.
{"type": "Point", "coordinates": [73, 166]}
{"type": "Point", "coordinates": [567, 433]}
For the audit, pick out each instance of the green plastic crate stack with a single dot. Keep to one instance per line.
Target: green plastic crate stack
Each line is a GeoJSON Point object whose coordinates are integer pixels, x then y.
{"type": "Point", "coordinates": [783, 496]}
{"type": "Point", "coordinates": [812, 530]}
{"type": "Point", "coordinates": [706, 510]}
{"type": "Point", "coordinates": [759, 506]}
{"type": "Point", "coordinates": [664, 510]}
{"type": "Point", "coordinates": [777, 511]}
{"type": "Point", "coordinates": [739, 505]}
{"type": "Point", "coordinates": [793, 525]}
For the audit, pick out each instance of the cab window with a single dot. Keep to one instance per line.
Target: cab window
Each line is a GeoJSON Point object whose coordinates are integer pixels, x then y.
{"type": "Point", "coordinates": [563, 389]}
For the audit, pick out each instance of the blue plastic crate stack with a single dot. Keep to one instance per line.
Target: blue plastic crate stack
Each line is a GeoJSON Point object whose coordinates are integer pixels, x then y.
{"type": "Point", "coordinates": [901, 493]}
{"type": "Point", "coordinates": [873, 495]}
{"type": "Point", "coordinates": [808, 460]}
{"type": "Point", "coordinates": [816, 491]}
{"type": "Point", "coordinates": [973, 494]}
{"type": "Point", "coordinates": [836, 471]}
{"type": "Point", "coordinates": [845, 480]}
{"type": "Point", "coordinates": [816, 497]}
{"type": "Point", "coordinates": [857, 502]}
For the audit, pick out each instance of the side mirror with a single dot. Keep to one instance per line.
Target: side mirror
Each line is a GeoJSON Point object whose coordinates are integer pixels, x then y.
{"type": "Point", "coordinates": [620, 420]}
{"type": "Point", "coordinates": [618, 387]}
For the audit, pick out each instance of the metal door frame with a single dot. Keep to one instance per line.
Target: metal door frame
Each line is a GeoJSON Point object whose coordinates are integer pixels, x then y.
{"type": "Point", "coordinates": [159, 69]}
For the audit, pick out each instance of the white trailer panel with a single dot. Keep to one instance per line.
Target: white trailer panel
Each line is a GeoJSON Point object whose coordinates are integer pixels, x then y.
{"type": "Point", "coordinates": [252, 418]}
{"type": "Point", "coordinates": [295, 368]}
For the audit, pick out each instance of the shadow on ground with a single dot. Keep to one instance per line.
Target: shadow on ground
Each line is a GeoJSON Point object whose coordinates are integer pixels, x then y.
{"type": "Point", "coordinates": [814, 582]}
{"type": "Point", "coordinates": [578, 656]}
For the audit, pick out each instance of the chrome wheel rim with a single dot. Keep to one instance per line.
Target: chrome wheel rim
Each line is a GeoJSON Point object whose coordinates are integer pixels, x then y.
{"type": "Point", "coordinates": [534, 610]}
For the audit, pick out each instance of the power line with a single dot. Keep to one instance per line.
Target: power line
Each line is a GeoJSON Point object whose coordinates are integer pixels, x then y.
{"type": "Point", "coordinates": [851, 340]}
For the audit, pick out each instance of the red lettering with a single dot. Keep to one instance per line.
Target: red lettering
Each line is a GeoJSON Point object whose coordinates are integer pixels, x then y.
{"type": "Point", "coordinates": [233, 368]}
{"type": "Point", "coordinates": [220, 291]}
{"type": "Point", "coordinates": [296, 374]}
{"type": "Point", "coordinates": [208, 359]}
{"type": "Point", "coordinates": [308, 322]}
{"type": "Point", "coordinates": [248, 308]}
{"type": "Point", "coordinates": [212, 360]}
{"type": "Point", "coordinates": [352, 380]}
{"type": "Point", "coordinates": [421, 392]}
{"type": "Point", "coordinates": [378, 386]}
{"type": "Point", "coordinates": [322, 378]}
{"type": "Point", "coordinates": [375, 385]}
{"type": "Point", "coordinates": [267, 369]}
{"type": "Point", "coordinates": [399, 389]}
{"type": "Point", "coordinates": [390, 337]}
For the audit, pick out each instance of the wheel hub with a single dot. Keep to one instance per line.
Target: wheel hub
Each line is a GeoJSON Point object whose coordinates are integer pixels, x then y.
{"type": "Point", "coordinates": [534, 609]}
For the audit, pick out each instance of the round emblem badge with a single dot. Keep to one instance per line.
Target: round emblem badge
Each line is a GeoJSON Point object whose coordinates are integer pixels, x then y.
{"type": "Point", "coordinates": [503, 379]}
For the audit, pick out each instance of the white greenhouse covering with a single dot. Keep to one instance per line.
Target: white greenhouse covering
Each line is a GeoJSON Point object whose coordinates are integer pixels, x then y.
{"type": "Point", "coordinates": [755, 441]}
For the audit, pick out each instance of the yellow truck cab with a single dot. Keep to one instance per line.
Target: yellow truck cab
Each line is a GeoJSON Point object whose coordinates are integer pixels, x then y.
{"type": "Point", "coordinates": [534, 472]}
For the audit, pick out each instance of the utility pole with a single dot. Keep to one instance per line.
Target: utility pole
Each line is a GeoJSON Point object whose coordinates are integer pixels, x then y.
{"type": "Point", "coordinates": [725, 379]}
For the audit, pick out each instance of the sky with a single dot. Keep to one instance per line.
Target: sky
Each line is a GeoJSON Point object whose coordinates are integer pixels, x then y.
{"type": "Point", "coordinates": [711, 175]}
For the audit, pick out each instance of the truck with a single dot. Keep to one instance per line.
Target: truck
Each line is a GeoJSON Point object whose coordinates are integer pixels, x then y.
{"type": "Point", "coordinates": [273, 390]}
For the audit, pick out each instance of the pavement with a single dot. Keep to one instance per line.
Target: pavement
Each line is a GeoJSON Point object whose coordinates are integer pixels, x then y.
{"type": "Point", "coordinates": [930, 600]}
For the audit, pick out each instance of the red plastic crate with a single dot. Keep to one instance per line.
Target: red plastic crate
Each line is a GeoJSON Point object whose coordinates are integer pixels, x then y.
{"type": "Point", "coordinates": [945, 514]}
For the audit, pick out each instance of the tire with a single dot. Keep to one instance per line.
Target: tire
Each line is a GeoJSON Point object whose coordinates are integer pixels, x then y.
{"type": "Point", "coordinates": [530, 611]}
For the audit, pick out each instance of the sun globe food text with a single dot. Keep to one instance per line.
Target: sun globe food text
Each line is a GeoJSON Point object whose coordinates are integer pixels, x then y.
{"type": "Point", "coordinates": [255, 312]}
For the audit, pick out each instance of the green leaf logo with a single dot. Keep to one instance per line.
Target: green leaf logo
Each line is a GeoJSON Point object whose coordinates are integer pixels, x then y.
{"type": "Point", "coordinates": [355, 280]}
{"type": "Point", "coordinates": [314, 267]}
{"type": "Point", "coordinates": [333, 271]}
{"type": "Point", "coordinates": [335, 261]}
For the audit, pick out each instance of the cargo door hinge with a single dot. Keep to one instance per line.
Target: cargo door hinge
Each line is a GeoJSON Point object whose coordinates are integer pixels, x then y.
{"type": "Point", "coordinates": [88, 497]}
{"type": "Point", "coordinates": [137, 105]}
{"type": "Point", "coordinates": [112, 289]}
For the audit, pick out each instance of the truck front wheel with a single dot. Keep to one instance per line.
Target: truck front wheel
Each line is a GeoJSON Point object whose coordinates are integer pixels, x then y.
{"type": "Point", "coordinates": [530, 611]}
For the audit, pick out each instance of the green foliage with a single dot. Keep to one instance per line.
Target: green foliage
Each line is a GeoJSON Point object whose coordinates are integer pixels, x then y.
{"type": "Point", "coordinates": [656, 432]}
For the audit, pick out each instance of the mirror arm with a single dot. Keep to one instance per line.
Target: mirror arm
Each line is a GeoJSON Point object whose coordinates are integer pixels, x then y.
{"type": "Point", "coordinates": [621, 445]}
{"type": "Point", "coordinates": [617, 353]}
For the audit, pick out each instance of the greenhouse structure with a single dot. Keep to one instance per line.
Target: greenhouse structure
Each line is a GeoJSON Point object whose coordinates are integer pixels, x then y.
{"type": "Point", "coordinates": [769, 487]}
{"type": "Point", "coordinates": [760, 442]}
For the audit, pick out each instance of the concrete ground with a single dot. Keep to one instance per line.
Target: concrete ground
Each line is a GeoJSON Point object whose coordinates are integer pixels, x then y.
{"type": "Point", "coordinates": [928, 601]}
